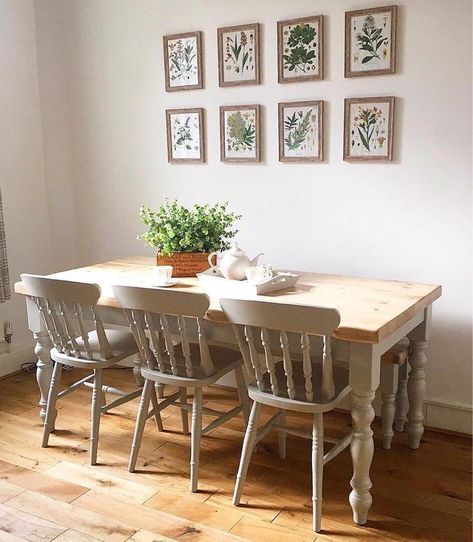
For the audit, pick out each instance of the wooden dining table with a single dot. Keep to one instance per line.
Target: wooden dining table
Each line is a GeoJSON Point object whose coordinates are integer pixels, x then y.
{"type": "Point", "coordinates": [375, 315]}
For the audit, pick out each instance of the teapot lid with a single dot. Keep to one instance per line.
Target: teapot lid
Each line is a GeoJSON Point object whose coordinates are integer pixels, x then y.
{"type": "Point", "coordinates": [236, 250]}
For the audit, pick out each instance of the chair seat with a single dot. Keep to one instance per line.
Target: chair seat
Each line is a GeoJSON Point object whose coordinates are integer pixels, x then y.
{"type": "Point", "coordinates": [319, 403]}
{"type": "Point", "coordinates": [224, 361]}
{"type": "Point", "coordinates": [122, 344]}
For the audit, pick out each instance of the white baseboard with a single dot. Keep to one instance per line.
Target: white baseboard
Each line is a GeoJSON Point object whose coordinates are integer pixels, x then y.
{"type": "Point", "coordinates": [10, 362]}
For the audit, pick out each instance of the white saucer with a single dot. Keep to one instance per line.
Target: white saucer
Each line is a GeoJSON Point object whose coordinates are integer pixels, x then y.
{"type": "Point", "coordinates": [172, 282]}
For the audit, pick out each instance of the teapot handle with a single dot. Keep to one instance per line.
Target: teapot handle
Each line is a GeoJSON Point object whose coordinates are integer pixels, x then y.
{"type": "Point", "coordinates": [213, 267]}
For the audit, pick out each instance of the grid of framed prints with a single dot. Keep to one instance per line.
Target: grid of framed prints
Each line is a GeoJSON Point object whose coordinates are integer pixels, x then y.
{"type": "Point", "coordinates": [370, 50]}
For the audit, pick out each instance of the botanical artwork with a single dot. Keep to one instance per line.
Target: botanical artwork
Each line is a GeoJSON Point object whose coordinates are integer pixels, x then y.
{"type": "Point", "coordinates": [368, 128]}
{"type": "Point", "coordinates": [185, 135]}
{"type": "Point", "coordinates": [299, 49]}
{"type": "Point", "coordinates": [239, 133]}
{"type": "Point", "coordinates": [182, 61]}
{"type": "Point", "coordinates": [300, 131]}
{"type": "Point", "coordinates": [238, 55]}
{"type": "Point", "coordinates": [370, 38]}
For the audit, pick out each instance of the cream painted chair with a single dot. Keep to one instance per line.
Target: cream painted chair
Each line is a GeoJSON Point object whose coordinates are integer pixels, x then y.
{"type": "Point", "coordinates": [71, 316]}
{"type": "Point", "coordinates": [160, 320]}
{"type": "Point", "coordinates": [312, 385]}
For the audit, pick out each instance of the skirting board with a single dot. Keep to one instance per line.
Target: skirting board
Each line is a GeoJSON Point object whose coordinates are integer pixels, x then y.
{"type": "Point", "coordinates": [10, 362]}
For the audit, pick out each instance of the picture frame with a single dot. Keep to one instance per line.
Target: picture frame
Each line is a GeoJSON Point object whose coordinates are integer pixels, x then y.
{"type": "Point", "coordinates": [185, 135]}
{"type": "Point", "coordinates": [240, 133]}
{"type": "Point", "coordinates": [183, 61]}
{"type": "Point", "coordinates": [239, 55]}
{"type": "Point", "coordinates": [370, 41]}
{"type": "Point", "coordinates": [301, 131]}
{"type": "Point", "coordinates": [297, 35]}
{"type": "Point", "coordinates": [369, 129]}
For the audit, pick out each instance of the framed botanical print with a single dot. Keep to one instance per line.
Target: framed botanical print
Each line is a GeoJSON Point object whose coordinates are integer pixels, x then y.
{"type": "Point", "coordinates": [369, 128]}
{"type": "Point", "coordinates": [185, 135]}
{"type": "Point", "coordinates": [300, 49]}
{"type": "Point", "coordinates": [238, 55]}
{"type": "Point", "coordinates": [301, 131]}
{"type": "Point", "coordinates": [370, 41]}
{"type": "Point", "coordinates": [240, 138]}
{"type": "Point", "coordinates": [183, 61]}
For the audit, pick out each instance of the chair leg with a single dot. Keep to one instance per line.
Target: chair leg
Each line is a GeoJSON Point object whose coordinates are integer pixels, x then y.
{"type": "Point", "coordinates": [317, 470]}
{"type": "Point", "coordinates": [184, 416]}
{"type": "Point", "coordinates": [160, 390]}
{"type": "Point", "coordinates": [388, 386]}
{"type": "Point", "coordinates": [195, 438]}
{"type": "Point", "coordinates": [247, 450]}
{"type": "Point", "coordinates": [140, 423]}
{"type": "Point", "coordinates": [402, 401]}
{"type": "Point", "coordinates": [51, 405]}
{"type": "Point", "coordinates": [282, 436]}
{"type": "Point", "coordinates": [157, 413]}
{"type": "Point", "coordinates": [243, 393]}
{"type": "Point", "coordinates": [95, 415]}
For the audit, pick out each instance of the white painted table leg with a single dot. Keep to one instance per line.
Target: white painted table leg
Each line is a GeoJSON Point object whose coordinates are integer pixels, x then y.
{"type": "Point", "coordinates": [416, 393]}
{"type": "Point", "coordinates": [388, 386]}
{"type": "Point", "coordinates": [416, 381]}
{"type": "Point", "coordinates": [362, 448]}
{"type": "Point", "coordinates": [44, 370]}
{"type": "Point", "coordinates": [402, 402]}
{"type": "Point", "coordinates": [364, 380]}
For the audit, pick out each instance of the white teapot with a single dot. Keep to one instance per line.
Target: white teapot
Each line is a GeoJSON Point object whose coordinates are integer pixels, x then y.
{"type": "Point", "coordinates": [234, 262]}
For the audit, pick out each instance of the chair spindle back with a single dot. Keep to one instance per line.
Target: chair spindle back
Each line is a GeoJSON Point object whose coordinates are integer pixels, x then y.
{"type": "Point", "coordinates": [69, 310]}
{"type": "Point", "coordinates": [255, 323]}
{"type": "Point", "coordinates": [163, 317]}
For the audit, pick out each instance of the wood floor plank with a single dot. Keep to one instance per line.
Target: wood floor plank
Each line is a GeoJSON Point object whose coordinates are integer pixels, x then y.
{"type": "Point", "coordinates": [40, 482]}
{"type": "Point", "coordinates": [27, 526]}
{"type": "Point", "coordinates": [147, 536]}
{"type": "Point", "coordinates": [8, 491]}
{"type": "Point", "coordinates": [75, 536]}
{"type": "Point", "coordinates": [72, 516]}
{"type": "Point", "coordinates": [144, 517]}
{"type": "Point", "coordinates": [108, 484]}
{"type": "Point", "coordinates": [191, 507]}
{"type": "Point", "coordinates": [257, 530]}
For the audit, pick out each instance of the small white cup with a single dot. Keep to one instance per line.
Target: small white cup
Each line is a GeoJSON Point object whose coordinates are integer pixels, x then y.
{"type": "Point", "coordinates": [163, 273]}
{"type": "Point", "coordinates": [255, 275]}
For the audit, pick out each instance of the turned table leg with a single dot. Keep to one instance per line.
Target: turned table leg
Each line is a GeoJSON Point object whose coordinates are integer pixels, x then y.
{"type": "Point", "coordinates": [364, 380]}
{"type": "Point", "coordinates": [416, 381]}
{"type": "Point", "coordinates": [388, 386]}
{"type": "Point", "coordinates": [137, 371]}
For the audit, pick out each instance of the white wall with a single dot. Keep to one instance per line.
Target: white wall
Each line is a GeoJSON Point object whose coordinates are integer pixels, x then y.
{"type": "Point", "coordinates": [407, 220]}
{"type": "Point", "coordinates": [21, 164]}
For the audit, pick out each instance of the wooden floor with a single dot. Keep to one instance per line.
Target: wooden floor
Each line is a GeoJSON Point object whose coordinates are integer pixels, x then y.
{"type": "Point", "coordinates": [53, 494]}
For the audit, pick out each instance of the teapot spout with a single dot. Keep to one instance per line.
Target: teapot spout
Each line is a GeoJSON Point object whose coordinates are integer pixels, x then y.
{"type": "Point", "coordinates": [254, 261]}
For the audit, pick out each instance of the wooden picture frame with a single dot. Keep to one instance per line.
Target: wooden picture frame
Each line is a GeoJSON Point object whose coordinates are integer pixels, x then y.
{"type": "Point", "coordinates": [233, 150]}
{"type": "Point", "coordinates": [369, 131]}
{"type": "Point", "coordinates": [306, 143]}
{"type": "Point", "coordinates": [370, 41]}
{"type": "Point", "coordinates": [190, 77]}
{"type": "Point", "coordinates": [293, 71]}
{"type": "Point", "coordinates": [233, 58]}
{"type": "Point", "coordinates": [176, 120]}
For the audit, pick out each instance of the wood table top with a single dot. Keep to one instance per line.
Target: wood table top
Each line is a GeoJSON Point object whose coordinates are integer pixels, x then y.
{"type": "Point", "coordinates": [370, 310]}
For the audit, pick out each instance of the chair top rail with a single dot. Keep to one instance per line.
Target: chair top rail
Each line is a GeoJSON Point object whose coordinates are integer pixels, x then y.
{"type": "Point", "coordinates": [270, 315]}
{"type": "Point", "coordinates": [58, 290]}
{"type": "Point", "coordinates": [159, 301]}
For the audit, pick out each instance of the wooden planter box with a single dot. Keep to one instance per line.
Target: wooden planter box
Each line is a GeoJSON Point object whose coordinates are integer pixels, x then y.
{"type": "Point", "coordinates": [185, 264]}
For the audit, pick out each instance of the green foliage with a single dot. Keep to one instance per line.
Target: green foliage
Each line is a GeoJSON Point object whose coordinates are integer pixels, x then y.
{"type": "Point", "coordinates": [241, 132]}
{"type": "Point", "coordinates": [174, 228]}
{"type": "Point", "coordinates": [370, 39]}
{"type": "Point", "coordinates": [297, 126]}
{"type": "Point", "coordinates": [301, 55]}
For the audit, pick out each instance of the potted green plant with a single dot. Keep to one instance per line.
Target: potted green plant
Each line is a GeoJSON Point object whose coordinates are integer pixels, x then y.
{"type": "Point", "coordinates": [184, 237]}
